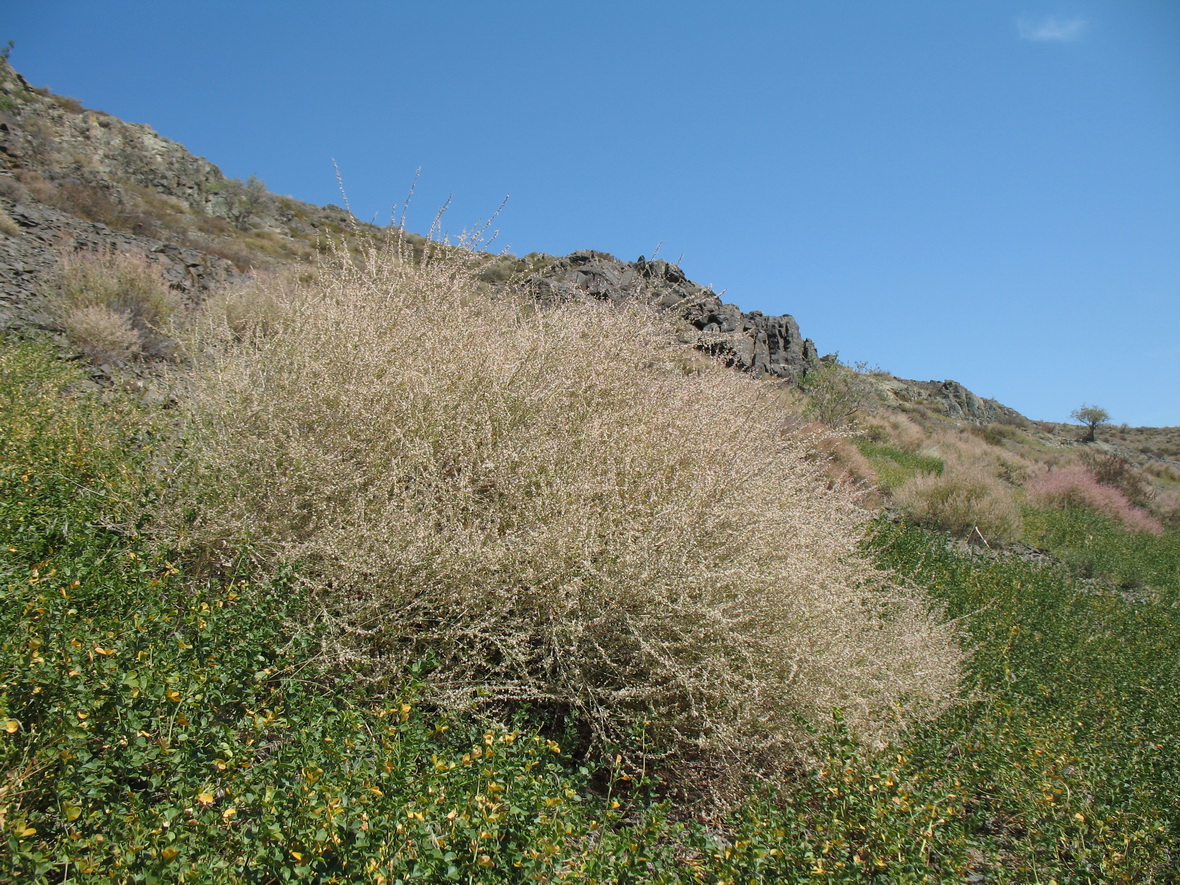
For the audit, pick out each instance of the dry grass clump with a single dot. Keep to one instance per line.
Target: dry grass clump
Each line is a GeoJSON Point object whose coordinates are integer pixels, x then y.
{"type": "Point", "coordinates": [8, 226]}
{"type": "Point", "coordinates": [112, 305]}
{"type": "Point", "coordinates": [1163, 475]}
{"type": "Point", "coordinates": [974, 495]}
{"type": "Point", "coordinates": [896, 429]}
{"type": "Point", "coordinates": [102, 335]}
{"type": "Point", "coordinates": [1075, 486]}
{"type": "Point", "coordinates": [1165, 484]}
{"type": "Point", "coordinates": [1166, 507]}
{"type": "Point", "coordinates": [255, 307]}
{"type": "Point", "coordinates": [995, 433]}
{"type": "Point", "coordinates": [843, 462]}
{"type": "Point", "coordinates": [965, 498]}
{"type": "Point", "coordinates": [965, 446]}
{"type": "Point", "coordinates": [543, 507]}
{"type": "Point", "coordinates": [11, 189]}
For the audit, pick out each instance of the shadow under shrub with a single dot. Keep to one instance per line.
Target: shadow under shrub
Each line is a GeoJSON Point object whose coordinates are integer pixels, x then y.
{"type": "Point", "coordinates": [543, 506]}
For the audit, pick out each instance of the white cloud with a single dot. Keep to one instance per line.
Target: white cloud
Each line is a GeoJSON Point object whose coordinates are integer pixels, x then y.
{"type": "Point", "coordinates": [1050, 29]}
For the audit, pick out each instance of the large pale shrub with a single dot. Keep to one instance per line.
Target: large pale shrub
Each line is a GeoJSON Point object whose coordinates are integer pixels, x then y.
{"type": "Point", "coordinates": [542, 507]}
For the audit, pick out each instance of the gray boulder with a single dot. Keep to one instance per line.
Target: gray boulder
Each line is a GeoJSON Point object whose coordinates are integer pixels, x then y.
{"type": "Point", "coordinates": [960, 403]}
{"type": "Point", "coordinates": [758, 344]}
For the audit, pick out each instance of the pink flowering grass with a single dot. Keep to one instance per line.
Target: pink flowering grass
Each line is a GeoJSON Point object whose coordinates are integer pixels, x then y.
{"type": "Point", "coordinates": [1074, 486]}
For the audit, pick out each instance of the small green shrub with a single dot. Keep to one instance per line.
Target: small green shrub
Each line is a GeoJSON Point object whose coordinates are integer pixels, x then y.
{"type": "Point", "coordinates": [837, 394]}
{"type": "Point", "coordinates": [895, 465]}
{"type": "Point", "coordinates": [994, 434]}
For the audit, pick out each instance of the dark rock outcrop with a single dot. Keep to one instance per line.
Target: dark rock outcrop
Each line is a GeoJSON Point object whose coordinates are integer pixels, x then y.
{"type": "Point", "coordinates": [948, 398]}
{"type": "Point", "coordinates": [963, 405]}
{"type": "Point", "coordinates": [752, 342]}
{"type": "Point", "coordinates": [72, 178]}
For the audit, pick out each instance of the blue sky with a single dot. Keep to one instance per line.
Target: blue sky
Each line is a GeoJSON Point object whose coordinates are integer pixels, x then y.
{"type": "Point", "coordinates": [981, 190]}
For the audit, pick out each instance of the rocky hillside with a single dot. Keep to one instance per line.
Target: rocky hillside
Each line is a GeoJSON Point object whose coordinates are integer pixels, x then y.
{"type": "Point", "coordinates": [76, 179]}
{"type": "Point", "coordinates": [752, 342]}
{"type": "Point", "coordinates": [72, 178]}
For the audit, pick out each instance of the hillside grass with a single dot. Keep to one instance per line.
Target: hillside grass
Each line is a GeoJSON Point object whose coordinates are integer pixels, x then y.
{"type": "Point", "coordinates": [1099, 546]}
{"type": "Point", "coordinates": [895, 465]}
{"type": "Point", "coordinates": [1070, 751]}
{"type": "Point", "coordinates": [161, 727]}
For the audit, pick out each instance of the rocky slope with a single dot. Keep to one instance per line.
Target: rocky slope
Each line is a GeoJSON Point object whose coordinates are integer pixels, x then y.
{"type": "Point", "coordinates": [76, 179]}
{"type": "Point", "coordinates": [760, 345]}
{"type": "Point", "coordinates": [755, 343]}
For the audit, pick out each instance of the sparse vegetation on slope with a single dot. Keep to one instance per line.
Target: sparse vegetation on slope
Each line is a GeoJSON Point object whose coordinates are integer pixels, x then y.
{"type": "Point", "coordinates": [113, 306]}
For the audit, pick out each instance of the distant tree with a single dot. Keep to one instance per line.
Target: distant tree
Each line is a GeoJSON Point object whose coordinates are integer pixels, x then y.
{"type": "Point", "coordinates": [837, 393]}
{"type": "Point", "coordinates": [1093, 417]}
{"type": "Point", "coordinates": [244, 199]}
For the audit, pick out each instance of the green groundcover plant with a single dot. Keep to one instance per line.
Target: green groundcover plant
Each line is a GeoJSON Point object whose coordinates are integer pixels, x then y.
{"type": "Point", "coordinates": [157, 726]}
